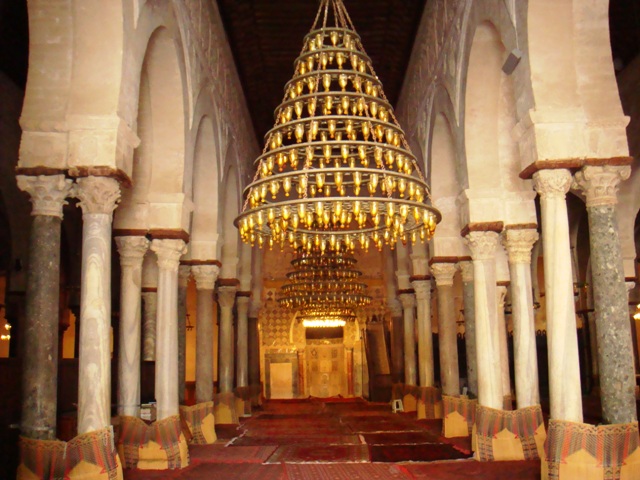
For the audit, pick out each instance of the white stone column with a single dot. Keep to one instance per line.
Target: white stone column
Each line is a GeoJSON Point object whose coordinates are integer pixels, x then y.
{"type": "Point", "coordinates": [242, 363]}
{"type": "Point", "coordinates": [425, 337]}
{"type": "Point", "coordinates": [168, 252]}
{"type": "Point", "coordinates": [466, 269]}
{"type": "Point", "coordinates": [226, 300]}
{"type": "Point", "coordinates": [447, 335]}
{"type": "Point", "coordinates": [184, 273]}
{"type": "Point", "coordinates": [98, 199]}
{"type": "Point", "coordinates": [501, 292]}
{"type": "Point", "coordinates": [206, 276]}
{"type": "Point", "coordinates": [40, 333]}
{"type": "Point", "coordinates": [564, 367]}
{"type": "Point", "coordinates": [613, 328]}
{"type": "Point", "coordinates": [483, 253]}
{"type": "Point", "coordinates": [132, 250]}
{"type": "Point", "coordinates": [150, 305]}
{"type": "Point", "coordinates": [408, 301]}
{"type": "Point", "coordinates": [519, 244]}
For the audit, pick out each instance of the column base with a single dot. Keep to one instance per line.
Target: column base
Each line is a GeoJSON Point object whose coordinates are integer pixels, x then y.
{"type": "Point", "coordinates": [429, 403]}
{"type": "Point", "coordinates": [200, 421]}
{"type": "Point", "coordinates": [88, 456]}
{"type": "Point", "coordinates": [159, 446]}
{"type": "Point", "coordinates": [508, 435]}
{"type": "Point", "coordinates": [578, 450]}
{"type": "Point", "coordinates": [243, 401]}
{"type": "Point", "coordinates": [225, 408]}
{"type": "Point", "coordinates": [256, 395]}
{"type": "Point", "coordinates": [459, 416]}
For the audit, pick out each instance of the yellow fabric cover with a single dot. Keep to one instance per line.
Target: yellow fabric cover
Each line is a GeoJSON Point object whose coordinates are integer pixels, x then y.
{"type": "Point", "coordinates": [455, 425]}
{"type": "Point", "coordinates": [507, 446]}
{"type": "Point", "coordinates": [459, 416]}
{"type": "Point", "coordinates": [580, 465]}
{"type": "Point", "coordinates": [24, 473]}
{"type": "Point", "coordinates": [151, 456]}
{"type": "Point", "coordinates": [223, 414]}
{"type": "Point", "coordinates": [201, 423]}
{"type": "Point", "coordinates": [409, 403]}
{"type": "Point", "coordinates": [421, 410]}
{"type": "Point", "coordinates": [630, 469]}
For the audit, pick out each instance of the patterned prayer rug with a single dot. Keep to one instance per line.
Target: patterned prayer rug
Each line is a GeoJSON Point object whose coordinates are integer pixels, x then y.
{"type": "Point", "coordinates": [399, 438]}
{"type": "Point", "coordinates": [222, 454]}
{"type": "Point", "coordinates": [228, 471]}
{"type": "Point", "coordinates": [345, 471]}
{"type": "Point", "coordinates": [228, 431]}
{"type": "Point", "coordinates": [380, 423]}
{"type": "Point", "coordinates": [297, 439]}
{"type": "Point", "coordinates": [520, 470]}
{"type": "Point", "coordinates": [426, 452]}
{"type": "Point", "coordinates": [320, 454]}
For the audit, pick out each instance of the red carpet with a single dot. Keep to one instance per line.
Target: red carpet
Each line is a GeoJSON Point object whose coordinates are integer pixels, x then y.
{"type": "Point", "coordinates": [227, 432]}
{"type": "Point", "coordinates": [397, 438]}
{"type": "Point", "coordinates": [225, 471]}
{"type": "Point", "coordinates": [427, 452]}
{"type": "Point", "coordinates": [524, 470]}
{"type": "Point", "coordinates": [364, 471]}
{"type": "Point", "coordinates": [297, 439]}
{"type": "Point", "coordinates": [320, 454]}
{"type": "Point", "coordinates": [222, 454]}
{"type": "Point", "coordinates": [380, 423]}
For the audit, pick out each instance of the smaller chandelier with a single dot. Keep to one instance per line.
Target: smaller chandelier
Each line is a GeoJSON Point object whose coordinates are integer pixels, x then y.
{"type": "Point", "coordinates": [336, 169]}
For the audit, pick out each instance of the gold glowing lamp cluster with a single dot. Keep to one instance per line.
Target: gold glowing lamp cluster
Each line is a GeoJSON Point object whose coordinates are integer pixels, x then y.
{"type": "Point", "coordinates": [336, 170]}
{"type": "Point", "coordinates": [324, 286]}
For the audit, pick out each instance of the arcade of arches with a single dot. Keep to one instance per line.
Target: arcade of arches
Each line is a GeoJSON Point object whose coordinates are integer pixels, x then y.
{"type": "Point", "coordinates": [124, 281]}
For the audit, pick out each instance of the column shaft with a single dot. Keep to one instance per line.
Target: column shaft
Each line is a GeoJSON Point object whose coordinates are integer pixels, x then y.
{"type": "Point", "coordinates": [503, 339]}
{"type": "Point", "coordinates": [150, 312]}
{"type": "Point", "coordinates": [470, 328]}
{"type": "Point", "coordinates": [184, 272]}
{"type": "Point", "coordinates": [40, 364]}
{"type": "Point", "coordinates": [226, 299]}
{"type": "Point", "coordinates": [447, 335]}
{"type": "Point", "coordinates": [425, 337]}
{"type": "Point", "coordinates": [408, 305]}
{"type": "Point", "coordinates": [242, 365]}
{"type": "Point", "coordinates": [254, 352]}
{"type": "Point", "coordinates": [205, 276]}
{"type": "Point", "coordinates": [564, 367]}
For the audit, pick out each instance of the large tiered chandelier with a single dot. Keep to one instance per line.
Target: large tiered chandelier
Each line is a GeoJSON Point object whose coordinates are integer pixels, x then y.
{"type": "Point", "coordinates": [336, 170]}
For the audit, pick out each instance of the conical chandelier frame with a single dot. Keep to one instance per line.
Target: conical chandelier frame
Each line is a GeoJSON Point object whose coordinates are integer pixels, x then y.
{"type": "Point", "coordinates": [336, 170]}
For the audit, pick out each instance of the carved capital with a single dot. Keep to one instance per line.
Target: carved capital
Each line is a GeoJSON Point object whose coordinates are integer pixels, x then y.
{"type": "Point", "coordinates": [132, 250]}
{"type": "Point", "coordinates": [420, 264]}
{"type": "Point", "coordinates": [226, 296]}
{"type": "Point", "coordinates": [97, 194]}
{"type": "Point", "coordinates": [47, 192]}
{"type": "Point", "coordinates": [466, 269]}
{"type": "Point", "coordinates": [443, 273]}
{"type": "Point", "coordinates": [395, 307]}
{"type": "Point", "coordinates": [552, 183]}
{"type": "Point", "coordinates": [206, 276]}
{"type": "Point", "coordinates": [408, 300]}
{"type": "Point", "coordinates": [600, 183]}
{"type": "Point", "coordinates": [169, 252]}
{"type": "Point", "coordinates": [184, 274]}
{"type": "Point", "coordinates": [482, 245]}
{"type": "Point", "coordinates": [422, 289]}
{"type": "Point", "coordinates": [519, 244]}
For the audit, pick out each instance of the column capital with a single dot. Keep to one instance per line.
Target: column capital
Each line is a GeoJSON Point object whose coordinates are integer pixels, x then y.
{"type": "Point", "coordinates": [420, 264]}
{"type": "Point", "coordinates": [443, 273]}
{"type": "Point", "coordinates": [48, 193]}
{"type": "Point", "coordinates": [600, 183]}
{"type": "Point", "coordinates": [482, 245]}
{"type": "Point", "coordinates": [519, 244]}
{"type": "Point", "coordinates": [184, 273]}
{"type": "Point", "coordinates": [422, 289]}
{"type": "Point", "coordinates": [242, 304]}
{"type": "Point", "coordinates": [395, 307]}
{"type": "Point", "coordinates": [206, 276]}
{"type": "Point", "coordinates": [466, 269]}
{"type": "Point", "coordinates": [552, 183]}
{"type": "Point", "coordinates": [408, 300]}
{"type": "Point", "coordinates": [227, 296]}
{"type": "Point", "coordinates": [97, 194]}
{"type": "Point", "coordinates": [132, 250]}
{"type": "Point", "coordinates": [169, 252]}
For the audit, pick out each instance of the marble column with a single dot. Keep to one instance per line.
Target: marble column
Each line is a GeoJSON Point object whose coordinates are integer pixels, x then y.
{"type": "Point", "coordinates": [132, 250]}
{"type": "Point", "coordinates": [501, 292]}
{"type": "Point", "coordinates": [564, 368]}
{"type": "Point", "coordinates": [483, 254]}
{"type": "Point", "coordinates": [254, 343]}
{"type": "Point", "coordinates": [98, 198]}
{"type": "Point", "coordinates": [226, 300]}
{"type": "Point", "coordinates": [408, 302]}
{"type": "Point", "coordinates": [425, 336]}
{"type": "Point", "coordinates": [205, 276]}
{"type": "Point", "coordinates": [150, 313]}
{"type": "Point", "coordinates": [447, 335]}
{"type": "Point", "coordinates": [519, 243]}
{"type": "Point", "coordinates": [242, 352]}
{"type": "Point", "coordinates": [613, 330]}
{"type": "Point", "coordinates": [397, 340]}
{"type": "Point", "coordinates": [466, 269]}
{"type": "Point", "coordinates": [40, 332]}
{"type": "Point", "coordinates": [184, 272]}
{"type": "Point", "coordinates": [168, 252]}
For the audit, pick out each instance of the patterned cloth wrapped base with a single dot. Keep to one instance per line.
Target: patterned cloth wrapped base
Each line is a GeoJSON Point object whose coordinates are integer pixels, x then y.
{"type": "Point", "coordinates": [409, 394]}
{"type": "Point", "coordinates": [509, 434]}
{"type": "Point", "coordinates": [159, 446]}
{"type": "Point", "coordinates": [459, 416]}
{"type": "Point", "coordinates": [200, 421]}
{"type": "Point", "coordinates": [578, 450]}
{"type": "Point", "coordinates": [429, 403]}
{"type": "Point", "coordinates": [91, 456]}
{"type": "Point", "coordinates": [225, 409]}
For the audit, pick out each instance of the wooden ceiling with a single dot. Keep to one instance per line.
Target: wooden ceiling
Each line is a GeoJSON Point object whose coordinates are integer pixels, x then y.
{"type": "Point", "coordinates": [266, 37]}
